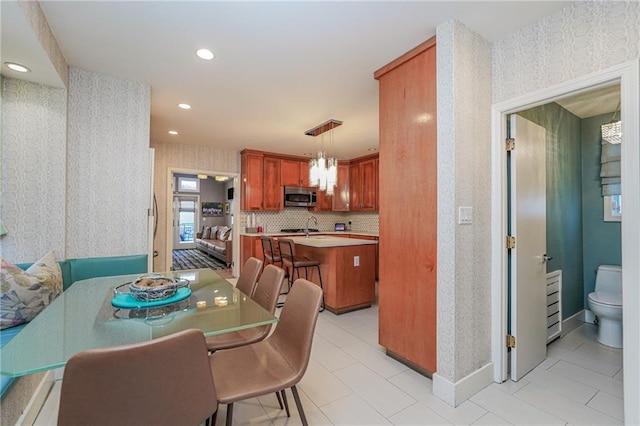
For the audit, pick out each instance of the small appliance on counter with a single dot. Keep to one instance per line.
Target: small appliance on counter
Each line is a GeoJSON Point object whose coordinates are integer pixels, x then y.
{"type": "Point", "coordinates": [340, 227]}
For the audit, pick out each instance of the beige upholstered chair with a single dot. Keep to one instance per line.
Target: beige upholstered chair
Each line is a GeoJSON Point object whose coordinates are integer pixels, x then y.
{"type": "Point", "coordinates": [249, 275]}
{"type": "Point", "coordinates": [166, 381]}
{"type": "Point", "coordinates": [266, 295]}
{"type": "Point", "coordinates": [291, 262]}
{"type": "Point", "coordinates": [276, 363]}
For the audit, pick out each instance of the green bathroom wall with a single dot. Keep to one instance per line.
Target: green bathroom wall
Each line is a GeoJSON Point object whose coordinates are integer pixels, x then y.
{"type": "Point", "coordinates": [602, 240]}
{"type": "Point", "coordinates": [564, 199]}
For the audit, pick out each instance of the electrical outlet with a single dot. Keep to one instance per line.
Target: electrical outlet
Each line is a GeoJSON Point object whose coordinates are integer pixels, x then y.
{"type": "Point", "coordinates": [356, 260]}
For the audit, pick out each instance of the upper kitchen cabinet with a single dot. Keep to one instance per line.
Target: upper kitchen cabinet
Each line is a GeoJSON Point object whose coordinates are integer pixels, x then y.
{"type": "Point", "coordinates": [251, 171]}
{"type": "Point", "coordinates": [408, 217]}
{"type": "Point", "coordinates": [272, 193]}
{"type": "Point", "coordinates": [294, 173]}
{"type": "Point", "coordinates": [341, 192]}
{"type": "Point", "coordinates": [260, 188]}
{"type": "Point", "coordinates": [363, 184]}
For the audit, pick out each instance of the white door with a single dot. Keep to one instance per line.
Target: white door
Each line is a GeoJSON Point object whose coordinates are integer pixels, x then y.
{"type": "Point", "coordinates": [528, 259]}
{"type": "Point", "coordinates": [185, 218]}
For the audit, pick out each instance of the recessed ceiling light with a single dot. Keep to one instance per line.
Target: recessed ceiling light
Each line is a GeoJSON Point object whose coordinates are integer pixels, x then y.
{"type": "Point", "coordinates": [372, 149]}
{"type": "Point", "coordinates": [184, 106]}
{"type": "Point", "coordinates": [16, 67]}
{"type": "Point", "coordinates": [205, 54]}
{"type": "Point", "coordinates": [308, 154]}
{"type": "Point", "coordinates": [173, 132]}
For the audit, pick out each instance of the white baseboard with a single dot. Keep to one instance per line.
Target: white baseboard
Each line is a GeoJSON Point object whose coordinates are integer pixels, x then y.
{"type": "Point", "coordinates": [589, 316]}
{"type": "Point", "coordinates": [456, 393]}
{"type": "Point", "coordinates": [37, 400]}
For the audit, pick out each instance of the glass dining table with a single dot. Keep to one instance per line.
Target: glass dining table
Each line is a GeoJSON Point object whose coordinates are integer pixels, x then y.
{"type": "Point", "coordinates": [83, 317]}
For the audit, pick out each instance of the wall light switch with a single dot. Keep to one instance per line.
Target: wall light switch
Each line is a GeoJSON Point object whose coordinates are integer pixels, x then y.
{"type": "Point", "coordinates": [356, 260]}
{"type": "Point", "coordinates": [465, 215]}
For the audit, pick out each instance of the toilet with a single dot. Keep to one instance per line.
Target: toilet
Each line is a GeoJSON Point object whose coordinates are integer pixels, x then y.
{"type": "Point", "coordinates": [606, 303]}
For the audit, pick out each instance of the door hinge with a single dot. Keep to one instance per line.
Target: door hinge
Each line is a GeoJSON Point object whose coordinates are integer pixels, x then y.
{"type": "Point", "coordinates": [511, 341]}
{"type": "Point", "coordinates": [511, 242]}
{"type": "Point", "coordinates": [510, 144]}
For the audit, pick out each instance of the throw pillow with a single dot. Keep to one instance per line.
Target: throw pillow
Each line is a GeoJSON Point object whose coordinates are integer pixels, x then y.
{"type": "Point", "coordinates": [224, 233]}
{"type": "Point", "coordinates": [207, 233]}
{"type": "Point", "coordinates": [25, 293]}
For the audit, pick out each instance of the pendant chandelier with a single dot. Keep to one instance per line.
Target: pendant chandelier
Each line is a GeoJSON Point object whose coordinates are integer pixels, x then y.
{"type": "Point", "coordinates": [323, 170]}
{"type": "Point", "coordinates": [612, 131]}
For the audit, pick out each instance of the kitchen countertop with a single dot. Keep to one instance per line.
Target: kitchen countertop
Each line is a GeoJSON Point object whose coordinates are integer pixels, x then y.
{"type": "Point", "coordinates": [279, 234]}
{"type": "Point", "coordinates": [330, 241]}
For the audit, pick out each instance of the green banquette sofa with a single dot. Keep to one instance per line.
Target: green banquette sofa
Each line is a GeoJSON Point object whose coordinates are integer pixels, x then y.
{"type": "Point", "coordinates": [76, 270]}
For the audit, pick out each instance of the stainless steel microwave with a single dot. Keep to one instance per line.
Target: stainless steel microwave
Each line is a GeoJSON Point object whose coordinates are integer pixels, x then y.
{"type": "Point", "coordinates": [295, 196]}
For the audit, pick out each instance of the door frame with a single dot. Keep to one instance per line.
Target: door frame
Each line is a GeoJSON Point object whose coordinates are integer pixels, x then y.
{"type": "Point", "coordinates": [628, 74]}
{"type": "Point", "coordinates": [235, 230]}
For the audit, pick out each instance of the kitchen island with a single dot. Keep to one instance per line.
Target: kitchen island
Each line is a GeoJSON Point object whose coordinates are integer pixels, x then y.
{"type": "Point", "coordinates": [347, 266]}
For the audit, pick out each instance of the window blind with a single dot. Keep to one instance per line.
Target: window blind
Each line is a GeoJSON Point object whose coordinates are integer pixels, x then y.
{"type": "Point", "coordinates": [610, 168]}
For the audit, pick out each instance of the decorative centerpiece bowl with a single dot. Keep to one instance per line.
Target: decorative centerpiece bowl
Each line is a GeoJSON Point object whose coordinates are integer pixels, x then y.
{"type": "Point", "coordinates": [153, 287]}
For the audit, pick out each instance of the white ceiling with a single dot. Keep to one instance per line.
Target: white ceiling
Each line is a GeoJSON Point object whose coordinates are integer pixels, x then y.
{"type": "Point", "coordinates": [281, 68]}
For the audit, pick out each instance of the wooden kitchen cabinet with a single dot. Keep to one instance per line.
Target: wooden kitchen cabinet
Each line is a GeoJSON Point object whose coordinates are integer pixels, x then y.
{"type": "Point", "coordinates": [272, 193]}
{"type": "Point", "coordinates": [294, 173]}
{"type": "Point", "coordinates": [260, 187]}
{"type": "Point", "coordinates": [251, 165]}
{"type": "Point", "coordinates": [341, 193]}
{"type": "Point", "coordinates": [408, 217]}
{"type": "Point", "coordinates": [372, 238]}
{"type": "Point", "coordinates": [363, 184]}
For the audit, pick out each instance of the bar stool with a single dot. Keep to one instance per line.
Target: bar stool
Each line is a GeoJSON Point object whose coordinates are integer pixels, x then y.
{"type": "Point", "coordinates": [290, 260]}
{"type": "Point", "coordinates": [270, 256]}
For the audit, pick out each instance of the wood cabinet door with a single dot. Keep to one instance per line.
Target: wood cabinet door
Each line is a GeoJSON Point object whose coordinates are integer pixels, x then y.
{"type": "Point", "coordinates": [289, 173]}
{"type": "Point", "coordinates": [272, 190]}
{"type": "Point", "coordinates": [251, 185]}
{"type": "Point", "coordinates": [408, 218]}
{"type": "Point", "coordinates": [294, 173]}
{"type": "Point", "coordinates": [304, 173]}
{"type": "Point", "coordinates": [369, 187]}
{"type": "Point", "coordinates": [355, 187]}
{"type": "Point", "coordinates": [341, 193]}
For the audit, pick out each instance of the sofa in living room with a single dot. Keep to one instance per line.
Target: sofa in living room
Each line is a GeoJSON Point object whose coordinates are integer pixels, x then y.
{"type": "Point", "coordinates": [216, 241]}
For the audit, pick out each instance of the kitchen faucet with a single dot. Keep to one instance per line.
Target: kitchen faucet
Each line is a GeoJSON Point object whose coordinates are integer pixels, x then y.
{"type": "Point", "coordinates": [308, 219]}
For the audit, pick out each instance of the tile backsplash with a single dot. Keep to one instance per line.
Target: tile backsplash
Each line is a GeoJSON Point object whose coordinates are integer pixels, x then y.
{"type": "Point", "coordinates": [296, 217]}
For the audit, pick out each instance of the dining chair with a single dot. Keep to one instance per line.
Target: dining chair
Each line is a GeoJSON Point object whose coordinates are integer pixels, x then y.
{"type": "Point", "coordinates": [165, 381]}
{"type": "Point", "coordinates": [291, 262]}
{"type": "Point", "coordinates": [249, 276]}
{"type": "Point", "coordinates": [266, 295]}
{"type": "Point", "coordinates": [277, 362]}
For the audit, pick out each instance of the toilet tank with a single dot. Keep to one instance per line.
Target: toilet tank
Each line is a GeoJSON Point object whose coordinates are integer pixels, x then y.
{"type": "Point", "coordinates": [609, 279]}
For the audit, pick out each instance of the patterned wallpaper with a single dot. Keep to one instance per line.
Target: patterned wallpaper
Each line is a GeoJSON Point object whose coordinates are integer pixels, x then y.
{"type": "Point", "coordinates": [107, 165]}
{"type": "Point", "coordinates": [188, 158]}
{"type": "Point", "coordinates": [34, 131]}
{"type": "Point", "coordinates": [464, 170]}
{"type": "Point", "coordinates": [580, 39]}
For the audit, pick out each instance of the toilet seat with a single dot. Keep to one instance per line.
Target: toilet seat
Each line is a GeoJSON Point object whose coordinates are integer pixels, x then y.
{"type": "Point", "coordinates": [605, 298]}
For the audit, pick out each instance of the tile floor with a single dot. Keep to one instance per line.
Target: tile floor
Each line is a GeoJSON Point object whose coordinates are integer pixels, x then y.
{"type": "Point", "coordinates": [350, 381]}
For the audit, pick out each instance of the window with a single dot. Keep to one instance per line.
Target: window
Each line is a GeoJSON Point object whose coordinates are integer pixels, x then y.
{"type": "Point", "coordinates": [612, 208]}
{"type": "Point", "coordinates": [186, 184]}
